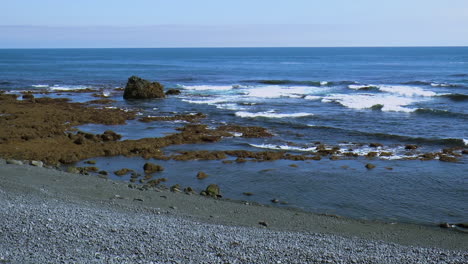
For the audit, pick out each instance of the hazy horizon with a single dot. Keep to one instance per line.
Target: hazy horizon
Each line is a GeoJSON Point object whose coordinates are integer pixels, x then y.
{"type": "Point", "coordinates": [209, 23]}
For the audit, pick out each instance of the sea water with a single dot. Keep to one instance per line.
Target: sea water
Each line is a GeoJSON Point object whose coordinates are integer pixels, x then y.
{"type": "Point", "coordinates": [348, 97]}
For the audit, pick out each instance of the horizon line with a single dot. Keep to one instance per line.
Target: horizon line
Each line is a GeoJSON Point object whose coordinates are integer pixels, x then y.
{"type": "Point", "coordinates": [249, 47]}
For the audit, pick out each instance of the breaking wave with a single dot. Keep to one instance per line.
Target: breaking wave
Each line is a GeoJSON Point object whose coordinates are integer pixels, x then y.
{"type": "Point", "coordinates": [271, 114]}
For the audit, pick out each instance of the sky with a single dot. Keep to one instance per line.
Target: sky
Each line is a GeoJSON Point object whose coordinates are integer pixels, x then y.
{"type": "Point", "coordinates": [240, 23]}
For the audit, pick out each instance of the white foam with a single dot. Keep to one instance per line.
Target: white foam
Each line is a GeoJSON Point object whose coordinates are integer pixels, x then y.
{"type": "Point", "coordinates": [67, 88]}
{"type": "Point", "coordinates": [283, 147]}
{"type": "Point", "coordinates": [273, 91]}
{"type": "Point", "coordinates": [323, 83]}
{"type": "Point", "coordinates": [40, 85]}
{"type": "Point", "coordinates": [271, 114]}
{"type": "Point", "coordinates": [440, 85]}
{"type": "Point", "coordinates": [408, 91]}
{"type": "Point", "coordinates": [360, 86]}
{"type": "Point", "coordinates": [465, 141]}
{"type": "Point", "coordinates": [207, 101]}
{"type": "Point", "coordinates": [366, 101]}
{"type": "Point", "coordinates": [208, 87]}
{"type": "Point", "coordinates": [233, 107]}
{"type": "Point", "coordinates": [312, 97]}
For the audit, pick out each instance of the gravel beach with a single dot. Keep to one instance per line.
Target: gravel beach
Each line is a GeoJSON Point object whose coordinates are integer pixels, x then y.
{"type": "Point", "coordinates": [49, 216]}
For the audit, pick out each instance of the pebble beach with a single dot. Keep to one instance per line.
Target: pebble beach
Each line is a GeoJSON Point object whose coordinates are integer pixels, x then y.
{"type": "Point", "coordinates": [49, 216]}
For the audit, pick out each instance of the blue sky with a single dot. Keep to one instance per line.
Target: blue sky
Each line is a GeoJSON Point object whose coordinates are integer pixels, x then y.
{"type": "Point", "coordinates": [217, 23]}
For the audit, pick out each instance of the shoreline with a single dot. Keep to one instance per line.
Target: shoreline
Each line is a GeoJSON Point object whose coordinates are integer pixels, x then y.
{"type": "Point", "coordinates": [53, 186]}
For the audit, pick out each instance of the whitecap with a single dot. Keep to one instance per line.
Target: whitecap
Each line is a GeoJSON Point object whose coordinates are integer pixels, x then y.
{"type": "Point", "coordinates": [323, 83]}
{"type": "Point", "coordinates": [361, 86]}
{"type": "Point", "coordinates": [273, 91]}
{"type": "Point", "coordinates": [68, 87]}
{"type": "Point", "coordinates": [367, 101]}
{"type": "Point", "coordinates": [40, 85]}
{"type": "Point", "coordinates": [208, 87]}
{"type": "Point", "coordinates": [465, 141]}
{"type": "Point", "coordinates": [409, 91]}
{"type": "Point", "coordinates": [271, 114]}
{"type": "Point", "coordinates": [207, 101]}
{"type": "Point", "coordinates": [312, 97]}
{"type": "Point", "coordinates": [283, 147]}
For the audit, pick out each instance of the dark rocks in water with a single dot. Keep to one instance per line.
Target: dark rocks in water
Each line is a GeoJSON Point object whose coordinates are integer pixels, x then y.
{"type": "Point", "coordinates": [375, 145]}
{"type": "Point", "coordinates": [173, 92]}
{"type": "Point", "coordinates": [92, 162]}
{"type": "Point", "coordinates": [156, 182]}
{"type": "Point", "coordinates": [385, 154]}
{"type": "Point", "coordinates": [247, 193]}
{"type": "Point", "coordinates": [370, 166]}
{"type": "Point", "coordinates": [446, 158]}
{"type": "Point", "coordinates": [122, 172]}
{"type": "Point", "coordinates": [335, 158]}
{"type": "Point", "coordinates": [175, 188]}
{"type": "Point", "coordinates": [189, 190]}
{"type": "Point", "coordinates": [110, 135]}
{"type": "Point", "coordinates": [138, 88]}
{"type": "Point", "coordinates": [274, 200]}
{"type": "Point", "coordinates": [103, 172]}
{"type": "Point", "coordinates": [263, 223]}
{"type": "Point", "coordinates": [410, 146]}
{"type": "Point", "coordinates": [428, 156]}
{"type": "Point", "coordinates": [371, 154]}
{"type": "Point", "coordinates": [465, 152]}
{"type": "Point", "coordinates": [212, 190]}
{"type": "Point", "coordinates": [151, 168]}
{"type": "Point", "coordinates": [201, 175]}
{"type": "Point", "coordinates": [28, 96]}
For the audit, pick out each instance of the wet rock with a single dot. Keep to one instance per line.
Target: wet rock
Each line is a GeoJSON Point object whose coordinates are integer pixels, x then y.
{"type": "Point", "coordinates": [247, 193]}
{"type": "Point", "coordinates": [189, 190]}
{"type": "Point", "coordinates": [122, 172]}
{"type": "Point", "coordinates": [173, 92]}
{"type": "Point", "coordinates": [411, 146]}
{"type": "Point", "coordinates": [385, 154]}
{"type": "Point", "coordinates": [156, 182]}
{"type": "Point", "coordinates": [372, 154]}
{"type": "Point", "coordinates": [446, 158]}
{"type": "Point", "coordinates": [370, 166]}
{"type": "Point", "coordinates": [428, 156]}
{"type": "Point", "coordinates": [72, 169]}
{"type": "Point", "coordinates": [138, 88]}
{"type": "Point", "coordinates": [465, 152]}
{"type": "Point", "coordinates": [103, 172]}
{"type": "Point", "coordinates": [151, 168]}
{"type": "Point", "coordinates": [37, 163]}
{"type": "Point", "coordinates": [227, 161]}
{"type": "Point", "coordinates": [213, 190]}
{"type": "Point", "coordinates": [175, 188]}
{"type": "Point", "coordinates": [92, 162]}
{"type": "Point", "coordinates": [14, 162]}
{"type": "Point", "coordinates": [334, 157]}
{"type": "Point", "coordinates": [375, 145]}
{"type": "Point", "coordinates": [274, 200]}
{"type": "Point", "coordinates": [263, 223]}
{"type": "Point", "coordinates": [92, 169]}
{"type": "Point", "coordinates": [110, 135]}
{"type": "Point", "coordinates": [201, 175]}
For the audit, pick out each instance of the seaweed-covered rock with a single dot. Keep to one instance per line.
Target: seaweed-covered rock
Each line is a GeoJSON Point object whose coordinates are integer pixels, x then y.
{"type": "Point", "coordinates": [151, 168]}
{"type": "Point", "coordinates": [201, 175]}
{"type": "Point", "coordinates": [446, 158]}
{"type": "Point", "coordinates": [410, 146]}
{"type": "Point", "coordinates": [173, 92]}
{"type": "Point", "coordinates": [138, 88]}
{"type": "Point", "coordinates": [213, 190]}
{"type": "Point", "coordinates": [370, 166]}
{"type": "Point", "coordinates": [122, 172]}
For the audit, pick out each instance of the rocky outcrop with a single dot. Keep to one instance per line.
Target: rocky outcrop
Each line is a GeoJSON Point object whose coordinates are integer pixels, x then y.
{"type": "Point", "coordinates": [138, 88]}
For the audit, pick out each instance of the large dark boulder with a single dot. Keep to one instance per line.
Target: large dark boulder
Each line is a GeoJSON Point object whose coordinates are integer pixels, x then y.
{"type": "Point", "coordinates": [138, 88]}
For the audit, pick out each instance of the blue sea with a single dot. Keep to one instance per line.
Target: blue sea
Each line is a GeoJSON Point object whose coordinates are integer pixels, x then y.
{"type": "Point", "coordinates": [346, 97]}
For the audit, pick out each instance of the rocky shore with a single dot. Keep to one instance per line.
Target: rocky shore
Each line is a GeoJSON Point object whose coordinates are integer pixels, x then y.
{"type": "Point", "coordinates": [49, 216]}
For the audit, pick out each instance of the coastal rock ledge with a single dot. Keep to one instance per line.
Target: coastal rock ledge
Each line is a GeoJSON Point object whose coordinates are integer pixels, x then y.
{"type": "Point", "coordinates": [138, 88]}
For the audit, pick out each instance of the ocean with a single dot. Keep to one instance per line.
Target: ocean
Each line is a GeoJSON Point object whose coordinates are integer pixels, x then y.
{"type": "Point", "coordinates": [345, 97]}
